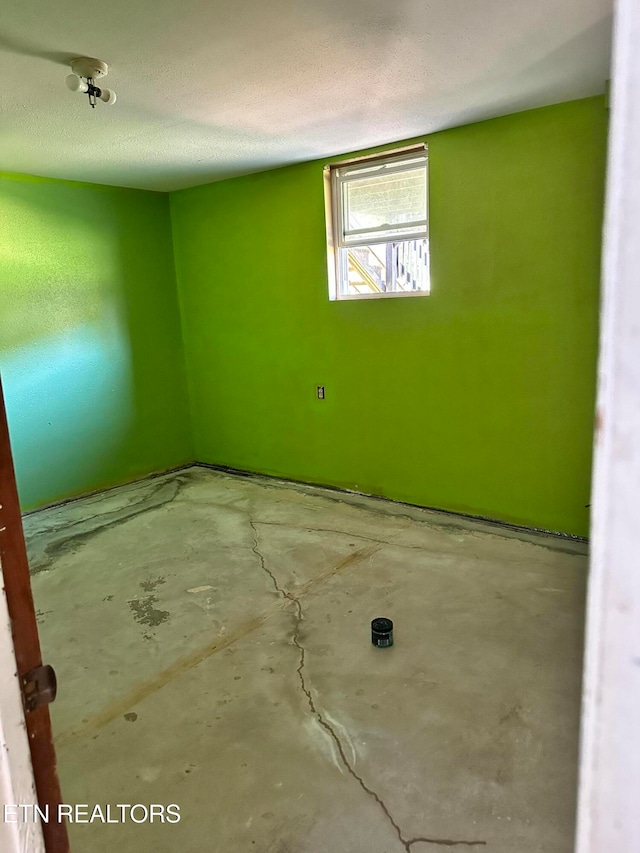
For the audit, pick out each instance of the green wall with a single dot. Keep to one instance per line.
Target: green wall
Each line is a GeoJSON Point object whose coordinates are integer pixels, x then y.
{"type": "Point", "coordinates": [90, 344]}
{"type": "Point", "coordinates": [478, 398]}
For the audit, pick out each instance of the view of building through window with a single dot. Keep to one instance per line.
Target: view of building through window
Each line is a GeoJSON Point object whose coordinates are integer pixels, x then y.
{"type": "Point", "coordinates": [386, 268]}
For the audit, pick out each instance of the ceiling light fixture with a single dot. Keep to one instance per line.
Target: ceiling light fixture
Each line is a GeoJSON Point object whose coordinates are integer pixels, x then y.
{"type": "Point", "coordinates": [85, 71]}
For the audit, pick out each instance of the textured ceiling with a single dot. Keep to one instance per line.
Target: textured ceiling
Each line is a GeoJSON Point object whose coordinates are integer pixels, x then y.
{"type": "Point", "coordinates": [213, 88]}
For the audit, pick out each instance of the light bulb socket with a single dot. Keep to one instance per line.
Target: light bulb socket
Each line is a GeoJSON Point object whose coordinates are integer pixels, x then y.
{"type": "Point", "coordinates": [108, 96]}
{"type": "Point", "coordinates": [76, 83]}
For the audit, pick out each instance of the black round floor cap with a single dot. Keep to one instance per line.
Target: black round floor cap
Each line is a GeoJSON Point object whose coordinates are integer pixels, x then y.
{"type": "Point", "coordinates": [382, 632]}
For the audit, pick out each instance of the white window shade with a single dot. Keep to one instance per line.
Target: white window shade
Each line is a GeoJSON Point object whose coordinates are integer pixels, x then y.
{"type": "Point", "coordinates": [382, 201]}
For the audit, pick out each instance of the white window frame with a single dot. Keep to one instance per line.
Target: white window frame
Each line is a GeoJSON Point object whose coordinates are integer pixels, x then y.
{"type": "Point", "coordinates": [333, 180]}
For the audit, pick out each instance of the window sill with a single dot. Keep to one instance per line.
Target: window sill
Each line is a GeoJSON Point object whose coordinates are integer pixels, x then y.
{"type": "Point", "coordinates": [359, 296]}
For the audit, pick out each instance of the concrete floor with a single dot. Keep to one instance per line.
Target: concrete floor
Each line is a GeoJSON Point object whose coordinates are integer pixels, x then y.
{"type": "Point", "coordinates": [211, 638]}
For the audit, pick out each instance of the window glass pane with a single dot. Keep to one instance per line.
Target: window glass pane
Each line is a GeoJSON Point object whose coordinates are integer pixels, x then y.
{"type": "Point", "coordinates": [385, 199]}
{"type": "Point", "coordinates": [398, 267]}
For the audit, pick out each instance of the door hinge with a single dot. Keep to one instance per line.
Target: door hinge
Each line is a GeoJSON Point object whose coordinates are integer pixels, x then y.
{"type": "Point", "coordinates": [39, 687]}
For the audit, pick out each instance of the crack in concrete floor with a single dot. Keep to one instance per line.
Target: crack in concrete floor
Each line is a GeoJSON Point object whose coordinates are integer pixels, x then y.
{"type": "Point", "coordinates": [120, 705]}
{"type": "Point", "coordinates": [407, 843]}
{"type": "Point", "coordinates": [268, 519]}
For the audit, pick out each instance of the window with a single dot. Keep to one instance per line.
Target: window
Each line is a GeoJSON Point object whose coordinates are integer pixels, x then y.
{"type": "Point", "coordinates": [377, 226]}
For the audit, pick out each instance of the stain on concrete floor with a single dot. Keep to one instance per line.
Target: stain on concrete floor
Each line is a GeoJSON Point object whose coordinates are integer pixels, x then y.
{"type": "Point", "coordinates": [144, 610]}
{"type": "Point", "coordinates": [249, 653]}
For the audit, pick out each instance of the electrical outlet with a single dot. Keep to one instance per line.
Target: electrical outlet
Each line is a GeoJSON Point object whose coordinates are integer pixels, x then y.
{"type": "Point", "coordinates": [320, 392]}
